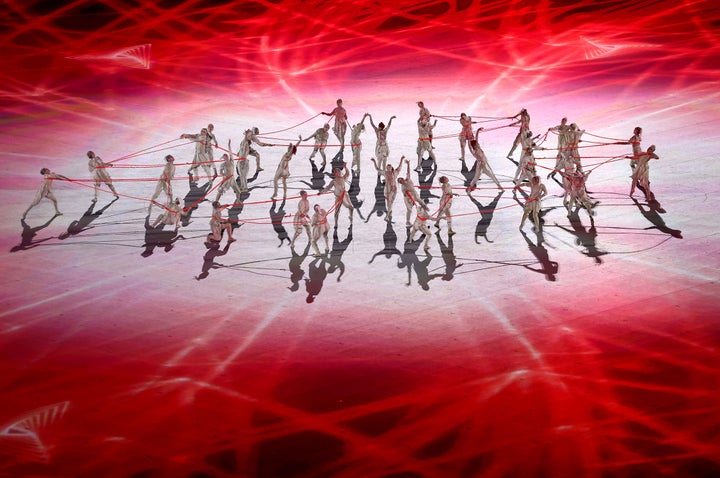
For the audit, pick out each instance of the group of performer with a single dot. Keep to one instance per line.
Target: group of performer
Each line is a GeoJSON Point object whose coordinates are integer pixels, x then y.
{"type": "Point", "coordinates": [568, 164]}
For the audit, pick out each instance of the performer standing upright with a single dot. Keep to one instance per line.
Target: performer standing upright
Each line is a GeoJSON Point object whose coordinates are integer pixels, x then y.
{"type": "Point", "coordinates": [340, 124]}
{"type": "Point", "coordinates": [98, 168]}
{"type": "Point", "coordinates": [382, 150]}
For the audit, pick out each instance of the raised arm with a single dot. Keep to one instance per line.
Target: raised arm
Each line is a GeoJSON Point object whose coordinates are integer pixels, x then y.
{"type": "Point", "coordinates": [389, 122]}
{"type": "Point", "coordinates": [371, 122]}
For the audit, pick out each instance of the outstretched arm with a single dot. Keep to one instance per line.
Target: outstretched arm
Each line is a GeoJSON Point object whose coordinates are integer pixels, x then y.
{"type": "Point", "coordinates": [389, 122]}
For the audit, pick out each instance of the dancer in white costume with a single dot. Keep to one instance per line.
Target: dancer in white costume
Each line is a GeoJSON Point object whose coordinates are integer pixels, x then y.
{"type": "Point", "coordinates": [98, 168]}
{"type": "Point", "coordinates": [420, 224]}
{"type": "Point", "coordinates": [46, 191]}
{"type": "Point", "coordinates": [172, 214]}
{"type": "Point", "coordinates": [212, 143]}
{"type": "Point", "coordinates": [227, 171]}
{"type": "Point", "coordinates": [341, 196]}
{"type": "Point", "coordinates": [218, 224]}
{"type": "Point", "coordinates": [523, 121]}
{"type": "Point", "coordinates": [423, 113]}
{"type": "Point", "coordinates": [283, 169]}
{"type": "Point", "coordinates": [425, 142]}
{"type": "Point", "coordinates": [573, 146]}
{"type": "Point", "coordinates": [390, 190]}
{"type": "Point", "coordinates": [562, 130]}
{"type": "Point", "coordinates": [382, 151]}
{"type": "Point", "coordinates": [445, 204]}
{"type": "Point", "coordinates": [340, 124]}
{"type": "Point", "coordinates": [577, 194]}
{"type": "Point", "coordinates": [320, 229]}
{"type": "Point", "coordinates": [635, 141]}
{"type": "Point", "coordinates": [466, 133]}
{"type": "Point", "coordinates": [302, 219]}
{"type": "Point", "coordinates": [355, 143]}
{"type": "Point", "coordinates": [165, 182]}
{"type": "Point", "coordinates": [533, 203]}
{"type": "Point", "coordinates": [246, 149]}
{"type": "Point", "coordinates": [641, 173]}
{"type": "Point", "coordinates": [409, 194]}
{"type": "Point", "coordinates": [481, 163]}
{"type": "Point", "coordinates": [203, 154]}
{"type": "Point", "coordinates": [321, 136]}
{"type": "Point", "coordinates": [526, 167]}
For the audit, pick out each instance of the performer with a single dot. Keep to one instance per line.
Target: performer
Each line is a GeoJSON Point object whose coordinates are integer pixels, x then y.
{"type": "Point", "coordinates": [46, 191]}
{"type": "Point", "coordinates": [382, 151]}
{"type": "Point", "coordinates": [243, 163]}
{"type": "Point", "coordinates": [227, 171]}
{"type": "Point", "coordinates": [246, 149]}
{"type": "Point", "coordinates": [526, 167]}
{"type": "Point", "coordinates": [341, 195]}
{"type": "Point", "coordinates": [390, 189]}
{"type": "Point", "coordinates": [445, 204]}
{"type": "Point", "coordinates": [466, 134]}
{"type": "Point", "coordinates": [302, 218]}
{"type": "Point", "coordinates": [523, 120]}
{"type": "Point", "coordinates": [218, 224]}
{"type": "Point", "coordinates": [532, 205]}
{"type": "Point", "coordinates": [641, 173]}
{"type": "Point", "coordinates": [165, 182]}
{"type": "Point", "coordinates": [635, 141]}
{"type": "Point", "coordinates": [573, 145]}
{"type": "Point", "coordinates": [423, 113]}
{"type": "Point", "coordinates": [203, 154]}
{"type": "Point", "coordinates": [320, 229]}
{"type": "Point", "coordinates": [409, 194]}
{"type": "Point", "coordinates": [577, 193]}
{"type": "Point", "coordinates": [98, 168]}
{"type": "Point", "coordinates": [420, 224]}
{"type": "Point", "coordinates": [563, 131]}
{"type": "Point", "coordinates": [425, 142]}
{"type": "Point", "coordinates": [481, 163]}
{"type": "Point", "coordinates": [172, 214]}
{"type": "Point", "coordinates": [321, 138]}
{"type": "Point", "coordinates": [340, 125]}
{"type": "Point", "coordinates": [283, 169]}
{"type": "Point", "coordinates": [355, 143]}
{"type": "Point", "coordinates": [212, 143]}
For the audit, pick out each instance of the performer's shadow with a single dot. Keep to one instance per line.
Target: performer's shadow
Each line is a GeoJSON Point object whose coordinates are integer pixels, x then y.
{"type": "Point", "coordinates": [584, 237]}
{"type": "Point", "coordinates": [295, 267]}
{"type": "Point", "coordinates": [467, 173]}
{"type": "Point", "coordinates": [158, 237]}
{"type": "Point", "coordinates": [380, 208]}
{"type": "Point", "coordinates": [547, 267]}
{"type": "Point", "coordinates": [28, 233]}
{"type": "Point", "coordinates": [390, 242]}
{"type": "Point", "coordinates": [82, 224]}
{"type": "Point", "coordinates": [193, 198]}
{"type": "Point", "coordinates": [425, 182]}
{"type": "Point", "coordinates": [448, 254]}
{"type": "Point", "coordinates": [235, 210]}
{"type": "Point", "coordinates": [316, 273]}
{"type": "Point", "coordinates": [354, 191]}
{"type": "Point", "coordinates": [317, 178]}
{"type": "Point", "coordinates": [338, 249]}
{"type": "Point", "coordinates": [486, 216]}
{"type": "Point", "coordinates": [409, 260]}
{"type": "Point", "coordinates": [276, 217]}
{"type": "Point", "coordinates": [652, 214]}
{"type": "Point", "coordinates": [209, 257]}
